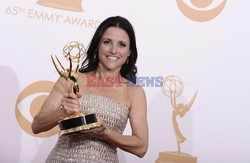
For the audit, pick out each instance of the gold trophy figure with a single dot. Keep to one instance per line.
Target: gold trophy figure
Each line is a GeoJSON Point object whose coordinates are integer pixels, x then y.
{"type": "Point", "coordinates": [173, 87]}
{"type": "Point", "coordinates": [77, 122]}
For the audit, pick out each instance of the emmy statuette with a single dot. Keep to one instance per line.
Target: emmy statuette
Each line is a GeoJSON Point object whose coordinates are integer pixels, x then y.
{"type": "Point", "coordinates": [81, 121]}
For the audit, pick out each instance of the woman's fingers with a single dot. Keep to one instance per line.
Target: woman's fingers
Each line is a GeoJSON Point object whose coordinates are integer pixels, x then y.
{"type": "Point", "coordinates": [65, 86]}
{"type": "Point", "coordinates": [68, 111]}
{"type": "Point", "coordinates": [71, 95]}
{"type": "Point", "coordinates": [101, 123]}
{"type": "Point", "coordinates": [78, 95]}
{"type": "Point", "coordinates": [98, 131]}
{"type": "Point", "coordinates": [70, 104]}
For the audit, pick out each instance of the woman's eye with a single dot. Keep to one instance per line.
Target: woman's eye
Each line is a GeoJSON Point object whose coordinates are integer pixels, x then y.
{"type": "Point", "coordinates": [106, 42]}
{"type": "Point", "coordinates": [122, 45]}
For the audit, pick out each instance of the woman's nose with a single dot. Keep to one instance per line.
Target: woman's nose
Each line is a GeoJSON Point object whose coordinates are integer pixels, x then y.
{"type": "Point", "coordinates": [113, 49]}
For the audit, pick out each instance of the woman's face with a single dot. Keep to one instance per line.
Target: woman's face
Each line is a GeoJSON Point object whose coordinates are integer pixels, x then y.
{"type": "Point", "coordinates": [114, 48]}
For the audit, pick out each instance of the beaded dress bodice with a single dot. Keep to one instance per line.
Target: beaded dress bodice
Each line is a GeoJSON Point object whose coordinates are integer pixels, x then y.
{"type": "Point", "coordinates": [77, 147]}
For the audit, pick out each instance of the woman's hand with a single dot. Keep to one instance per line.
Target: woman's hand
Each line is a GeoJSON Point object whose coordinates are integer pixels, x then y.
{"type": "Point", "coordinates": [97, 132]}
{"type": "Point", "coordinates": [60, 103]}
{"type": "Point", "coordinates": [70, 104]}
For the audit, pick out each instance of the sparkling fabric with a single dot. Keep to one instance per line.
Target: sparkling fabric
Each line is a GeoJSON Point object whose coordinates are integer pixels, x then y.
{"type": "Point", "coordinates": [76, 147]}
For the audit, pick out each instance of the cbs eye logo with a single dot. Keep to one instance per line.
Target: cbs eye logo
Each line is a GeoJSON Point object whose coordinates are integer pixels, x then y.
{"type": "Point", "coordinates": [200, 14]}
{"type": "Point", "coordinates": [28, 105]}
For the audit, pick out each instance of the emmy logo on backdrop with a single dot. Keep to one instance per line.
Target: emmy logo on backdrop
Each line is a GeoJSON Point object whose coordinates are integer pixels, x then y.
{"type": "Point", "coordinates": [82, 121]}
{"type": "Point", "coordinates": [70, 5]}
{"type": "Point", "coordinates": [172, 87]}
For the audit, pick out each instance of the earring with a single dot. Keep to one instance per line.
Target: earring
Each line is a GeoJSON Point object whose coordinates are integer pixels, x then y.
{"type": "Point", "coordinates": [127, 61]}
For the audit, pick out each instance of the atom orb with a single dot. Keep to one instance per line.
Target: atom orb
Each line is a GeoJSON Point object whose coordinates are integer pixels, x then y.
{"type": "Point", "coordinates": [75, 51]}
{"type": "Point", "coordinates": [172, 85]}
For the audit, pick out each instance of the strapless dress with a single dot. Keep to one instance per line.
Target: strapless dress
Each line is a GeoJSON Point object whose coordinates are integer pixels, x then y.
{"type": "Point", "coordinates": [79, 148]}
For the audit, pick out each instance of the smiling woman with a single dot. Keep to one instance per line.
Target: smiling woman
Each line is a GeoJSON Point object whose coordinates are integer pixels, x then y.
{"type": "Point", "coordinates": [113, 49]}
{"type": "Point", "coordinates": [112, 54]}
{"type": "Point", "coordinates": [92, 61]}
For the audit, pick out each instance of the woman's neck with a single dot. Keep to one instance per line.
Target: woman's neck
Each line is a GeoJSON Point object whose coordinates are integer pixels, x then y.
{"type": "Point", "coordinates": [104, 73]}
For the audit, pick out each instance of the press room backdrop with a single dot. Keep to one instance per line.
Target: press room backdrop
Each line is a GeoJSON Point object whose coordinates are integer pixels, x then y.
{"type": "Point", "coordinates": [197, 49]}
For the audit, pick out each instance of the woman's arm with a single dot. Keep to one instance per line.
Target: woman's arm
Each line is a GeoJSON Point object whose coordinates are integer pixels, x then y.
{"type": "Point", "coordinates": [56, 106]}
{"type": "Point", "coordinates": [137, 143]}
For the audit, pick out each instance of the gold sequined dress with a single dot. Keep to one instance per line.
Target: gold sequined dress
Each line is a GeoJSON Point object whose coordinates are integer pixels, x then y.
{"type": "Point", "coordinates": [76, 147]}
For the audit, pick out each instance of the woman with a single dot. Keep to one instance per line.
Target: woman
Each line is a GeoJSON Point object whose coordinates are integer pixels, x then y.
{"type": "Point", "coordinates": [112, 54]}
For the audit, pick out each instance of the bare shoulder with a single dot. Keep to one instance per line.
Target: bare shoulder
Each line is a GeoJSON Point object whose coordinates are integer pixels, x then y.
{"type": "Point", "coordinates": [137, 94]}
{"type": "Point", "coordinates": [136, 90]}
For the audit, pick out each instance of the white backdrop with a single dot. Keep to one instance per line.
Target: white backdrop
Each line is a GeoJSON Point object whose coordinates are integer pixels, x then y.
{"type": "Point", "coordinates": [207, 49]}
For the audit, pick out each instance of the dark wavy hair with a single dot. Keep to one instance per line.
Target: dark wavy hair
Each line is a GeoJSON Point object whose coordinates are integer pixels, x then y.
{"type": "Point", "coordinates": [129, 69]}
